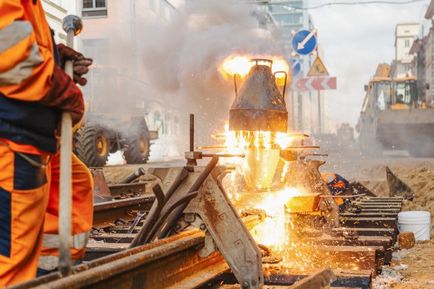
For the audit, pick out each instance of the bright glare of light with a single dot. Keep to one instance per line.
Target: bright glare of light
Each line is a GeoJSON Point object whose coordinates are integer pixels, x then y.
{"type": "Point", "coordinates": [236, 65]}
{"type": "Point", "coordinates": [241, 64]}
{"type": "Point", "coordinates": [283, 139]}
{"type": "Point", "coordinates": [273, 231]}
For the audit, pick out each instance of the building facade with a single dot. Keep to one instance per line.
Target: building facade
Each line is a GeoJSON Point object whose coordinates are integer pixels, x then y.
{"type": "Point", "coordinates": [290, 17]}
{"type": "Point", "coordinates": [428, 51]}
{"type": "Point", "coordinates": [418, 50]}
{"type": "Point", "coordinates": [423, 62]}
{"type": "Point", "coordinates": [405, 34]}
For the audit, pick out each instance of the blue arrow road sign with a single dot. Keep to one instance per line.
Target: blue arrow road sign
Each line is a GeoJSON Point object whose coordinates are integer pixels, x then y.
{"type": "Point", "coordinates": [295, 66]}
{"type": "Point", "coordinates": [304, 41]}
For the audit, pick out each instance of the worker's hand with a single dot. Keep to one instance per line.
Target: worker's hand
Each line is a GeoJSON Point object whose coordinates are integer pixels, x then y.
{"type": "Point", "coordinates": [65, 95]}
{"type": "Point", "coordinates": [80, 63]}
{"type": "Point", "coordinates": [81, 67]}
{"type": "Point", "coordinates": [67, 53]}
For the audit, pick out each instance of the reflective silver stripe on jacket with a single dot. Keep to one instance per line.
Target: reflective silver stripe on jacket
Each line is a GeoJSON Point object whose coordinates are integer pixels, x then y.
{"type": "Point", "coordinates": [51, 263]}
{"type": "Point", "coordinates": [48, 263]}
{"type": "Point", "coordinates": [22, 70]}
{"type": "Point", "coordinates": [14, 33]}
{"type": "Point", "coordinates": [79, 241]}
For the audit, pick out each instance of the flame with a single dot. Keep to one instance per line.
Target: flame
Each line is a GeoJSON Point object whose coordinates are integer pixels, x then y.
{"type": "Point", "coordinates": [273, 231]}
{"type": "Point", "coordinates": [262, 154]}
{"type": "Point", "coordinates": [236, 65]}
{"type": "Point", "coordinates": [241, 64]}
{"type": "Point", "coordinates": [240, 141]}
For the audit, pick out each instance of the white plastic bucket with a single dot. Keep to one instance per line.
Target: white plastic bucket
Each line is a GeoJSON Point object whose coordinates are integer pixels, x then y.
{"type": "Point", "coordinates": [418, 222]}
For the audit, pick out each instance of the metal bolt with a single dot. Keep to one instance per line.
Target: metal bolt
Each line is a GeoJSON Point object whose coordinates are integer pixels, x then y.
{"type": "Point", "coordinates": [202, 227]}
{"type": "Point", "coordinates": [189, 218]}
{"type": "Point", "coordinates": [245, 285]}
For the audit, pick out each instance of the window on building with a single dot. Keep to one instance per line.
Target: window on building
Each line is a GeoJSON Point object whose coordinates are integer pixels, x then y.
{"type": "Point", "coordinates": [165, 9]}
{"type": "Point", "coordinates": [407, 43]}
{"type": "Point", "coordinates": [94, 8]}
{"type": "Point", "coordinates": [284, 8]}
{"type": "Point", "coordinates": [290, 18]}
{"type": "Point", "coordinates": [152, 5]}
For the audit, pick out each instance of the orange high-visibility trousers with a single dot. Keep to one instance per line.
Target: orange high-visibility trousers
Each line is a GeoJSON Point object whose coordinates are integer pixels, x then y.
{"type": "Point", "coordinates": [24, 195]}
{"type": "Point", "coordinates": [82, 214]}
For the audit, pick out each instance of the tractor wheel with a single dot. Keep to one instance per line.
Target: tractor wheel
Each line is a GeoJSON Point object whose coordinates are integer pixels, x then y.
{"type": "Point", "coordinates": [92, 145]}
{"type": "Point", "coordinates": [137, 150]}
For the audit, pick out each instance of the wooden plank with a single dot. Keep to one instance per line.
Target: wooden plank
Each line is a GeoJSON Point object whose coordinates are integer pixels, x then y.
{"type": "Point", "coordinates": [380, 210]}
{"type": "Point", "coordinates": [384, 198]}
{"type": "Point", "coordinates": [355, 257]}
{"type": "Point", "coordinates": [391, 205]}
{"type": "Point", "coordinates": [336, 257]}
{"type": "Point", "coordinates": [369, 222]}
{"type": "Point", "coordinates": [370, 215]}
{"type": "Point", "coordinates": [353, 279]}
{"type": "Point", "coordinates": [386, 232]}
{"type": "Point", "coordinates": [288, 276]}
{"type": "Point", "coordinates": [383, 206]}
{"type": "Point", "coordinates": [380, 201]}
{"type": "Point", "coordinates": [344, 278]}
{"type": "Point", "coordinates": [384, 242]}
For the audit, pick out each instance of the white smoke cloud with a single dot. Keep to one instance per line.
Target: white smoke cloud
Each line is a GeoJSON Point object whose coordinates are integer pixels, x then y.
{"type": "Point", "coordinates": [183, 56]}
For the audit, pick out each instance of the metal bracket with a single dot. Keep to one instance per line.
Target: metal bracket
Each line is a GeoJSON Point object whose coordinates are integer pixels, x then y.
{"type": "Point", "coordinates": [209, 247]}
{"type": "Point", "coordinates": [229, 233]}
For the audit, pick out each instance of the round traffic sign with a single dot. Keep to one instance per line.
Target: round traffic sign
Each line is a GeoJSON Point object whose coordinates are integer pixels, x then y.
{"type": "Point", "coordinates": [304, 41]}
{"type": "Point", "coordinates": [295, 66]}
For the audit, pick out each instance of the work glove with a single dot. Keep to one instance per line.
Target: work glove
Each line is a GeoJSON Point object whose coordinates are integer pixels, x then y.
{"type": "Point", "coordinates": [80, 63]}
{"type": "Point", "coordinates": [65, 95]}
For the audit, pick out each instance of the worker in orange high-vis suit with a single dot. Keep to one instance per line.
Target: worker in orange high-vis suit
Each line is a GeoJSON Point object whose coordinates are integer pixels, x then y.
{"type": "Point", "coordinates": [33, 93]}
{"type": "Point", "coordinates": [336, 184]}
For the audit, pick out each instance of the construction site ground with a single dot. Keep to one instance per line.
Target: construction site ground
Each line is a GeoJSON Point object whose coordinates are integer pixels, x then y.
{"type": "Point", "coordinates": [410, 269]}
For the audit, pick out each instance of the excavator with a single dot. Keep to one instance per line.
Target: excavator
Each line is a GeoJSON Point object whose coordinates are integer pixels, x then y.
{"type": "Point", "coordinates": [394, 117]}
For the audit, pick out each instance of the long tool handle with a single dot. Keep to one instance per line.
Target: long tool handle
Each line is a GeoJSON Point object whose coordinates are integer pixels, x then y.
{"type": "Point", "coordinates": [65, 181]}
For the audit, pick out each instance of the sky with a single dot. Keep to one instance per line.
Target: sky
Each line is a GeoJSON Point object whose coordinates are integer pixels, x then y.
{"type": "Point", "coordinates": [354, 40]}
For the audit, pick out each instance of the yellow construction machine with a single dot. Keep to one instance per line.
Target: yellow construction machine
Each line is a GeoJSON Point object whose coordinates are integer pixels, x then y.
{"type": "Point", "coordinates": [394, 117]}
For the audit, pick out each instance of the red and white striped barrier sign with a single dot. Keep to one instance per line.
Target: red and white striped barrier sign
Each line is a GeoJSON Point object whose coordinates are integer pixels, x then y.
{"type": "Point", "coordinates": [316, 83]}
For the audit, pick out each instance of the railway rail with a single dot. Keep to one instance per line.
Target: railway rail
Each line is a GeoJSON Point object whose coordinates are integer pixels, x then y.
{"type": "Point", "coordinates": [367, 234]}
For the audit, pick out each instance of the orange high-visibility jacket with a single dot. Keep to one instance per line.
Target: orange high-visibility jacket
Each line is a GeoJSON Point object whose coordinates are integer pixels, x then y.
{"type": "Point", "coordinates": [26, 50]}
{"type": "Point", "coordinates": [26, 66]}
